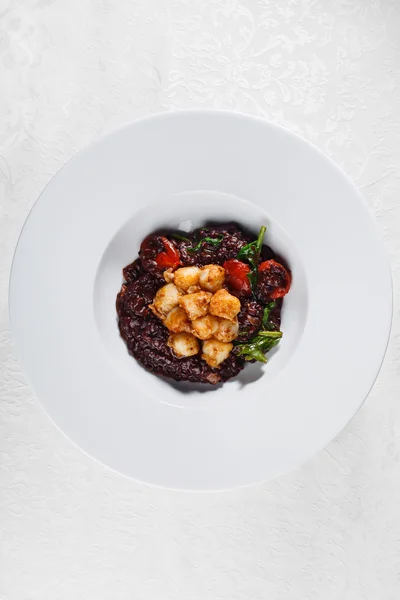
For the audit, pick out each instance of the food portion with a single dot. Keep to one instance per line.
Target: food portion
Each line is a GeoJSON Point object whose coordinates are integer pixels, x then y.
{"type": "Point", "coordinates": [197, 306]}
{"type": "Point", "coordinates": [192, 313]}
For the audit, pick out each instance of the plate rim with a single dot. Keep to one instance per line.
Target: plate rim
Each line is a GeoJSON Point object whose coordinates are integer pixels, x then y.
{"type": "Point", "coordinates": [226, 114]}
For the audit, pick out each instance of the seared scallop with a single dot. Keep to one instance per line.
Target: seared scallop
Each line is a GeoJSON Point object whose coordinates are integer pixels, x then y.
{"type": "Point", "coordinates": [227, 330]}
{"type": "Point", "coordinates": [177, 320]}
{"type": "Point", "coordinates": [165, 300]}
{"type": "Point", "coordinates": [169, 275]}
{"type": "Point", "coordinates": [212, 278]}
{"type": "Point", "coordinates": [224, 305]}
{"type": "Point", "coordinates": [195, 305]}
{"type": "Point", "coordinates": [186, 277]}
{"type": "Point", "coordinates": [205, 327]}
{"type": "Point", "coordinates": [183, 344]}
{"type": "Point", "coordinates": [215, 352]}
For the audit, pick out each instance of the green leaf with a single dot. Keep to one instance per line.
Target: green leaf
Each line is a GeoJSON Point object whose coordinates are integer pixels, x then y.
{"type": "Point", "coordinates": [273, 335]}
{"type": "Point", "coordinates": [267, 337]}
{"type": "Point", "coordinates": [251, 253]}
{"type": "Point", "coordinates": [253, 249]}
{"type": "Point", "coordinates": [267, 312]}
{"type": "Point", "coordinates": [256, 348]}
{"type": "Point", "coordinates": [209, 240]}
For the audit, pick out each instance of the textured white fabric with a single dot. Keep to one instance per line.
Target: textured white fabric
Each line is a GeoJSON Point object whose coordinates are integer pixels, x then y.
{"type": "Point", "coordinates": [72, 69]}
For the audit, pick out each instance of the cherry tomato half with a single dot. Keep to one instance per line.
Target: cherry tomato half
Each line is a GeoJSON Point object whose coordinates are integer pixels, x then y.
{"type": "Point", "coordinates": [170, 258]}
{"type": "Point", "coordinates": [157, 253]}
{"type": "Point", "coordinates": [273, 281]}
{"type": "Point", "coordinates": [237, 277]}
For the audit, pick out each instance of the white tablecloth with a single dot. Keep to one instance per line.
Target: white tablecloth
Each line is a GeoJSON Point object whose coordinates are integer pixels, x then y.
{"type": "Point", "coordinates": [70, 70]}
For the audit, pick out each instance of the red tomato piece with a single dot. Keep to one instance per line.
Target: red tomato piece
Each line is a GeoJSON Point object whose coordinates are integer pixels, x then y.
{"type": "Point", "coordinates": [274, 278]}
{"type": "Point", "coordinates": [237, 279]}
{"type": "Point", "coordinates": [170, 259]}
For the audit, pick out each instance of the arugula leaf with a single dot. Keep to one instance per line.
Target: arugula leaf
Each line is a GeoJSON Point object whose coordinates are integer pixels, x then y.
{"type": "Point", "coordinates": [251, 253]}
{"type": "Point", "coordinates": [271, 335]}
{"type": "Point", "coordinates": [263, 341]}
{"type": "Point", "coordinates": [256, 348]}
{"type": "Point", "coordinates": [266, 323]}
{"type": "Point", "coordinates": [268, 337]}
{"type": "Point", "coordinates": [214, 241]}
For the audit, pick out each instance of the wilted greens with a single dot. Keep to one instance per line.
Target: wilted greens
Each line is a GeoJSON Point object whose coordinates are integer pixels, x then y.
{"type": "Point", "coordinates": [251, 254]}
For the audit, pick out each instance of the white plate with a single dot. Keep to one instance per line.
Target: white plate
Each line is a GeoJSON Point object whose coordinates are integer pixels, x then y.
{"type": "Point", "coordinates": [186, 168]}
